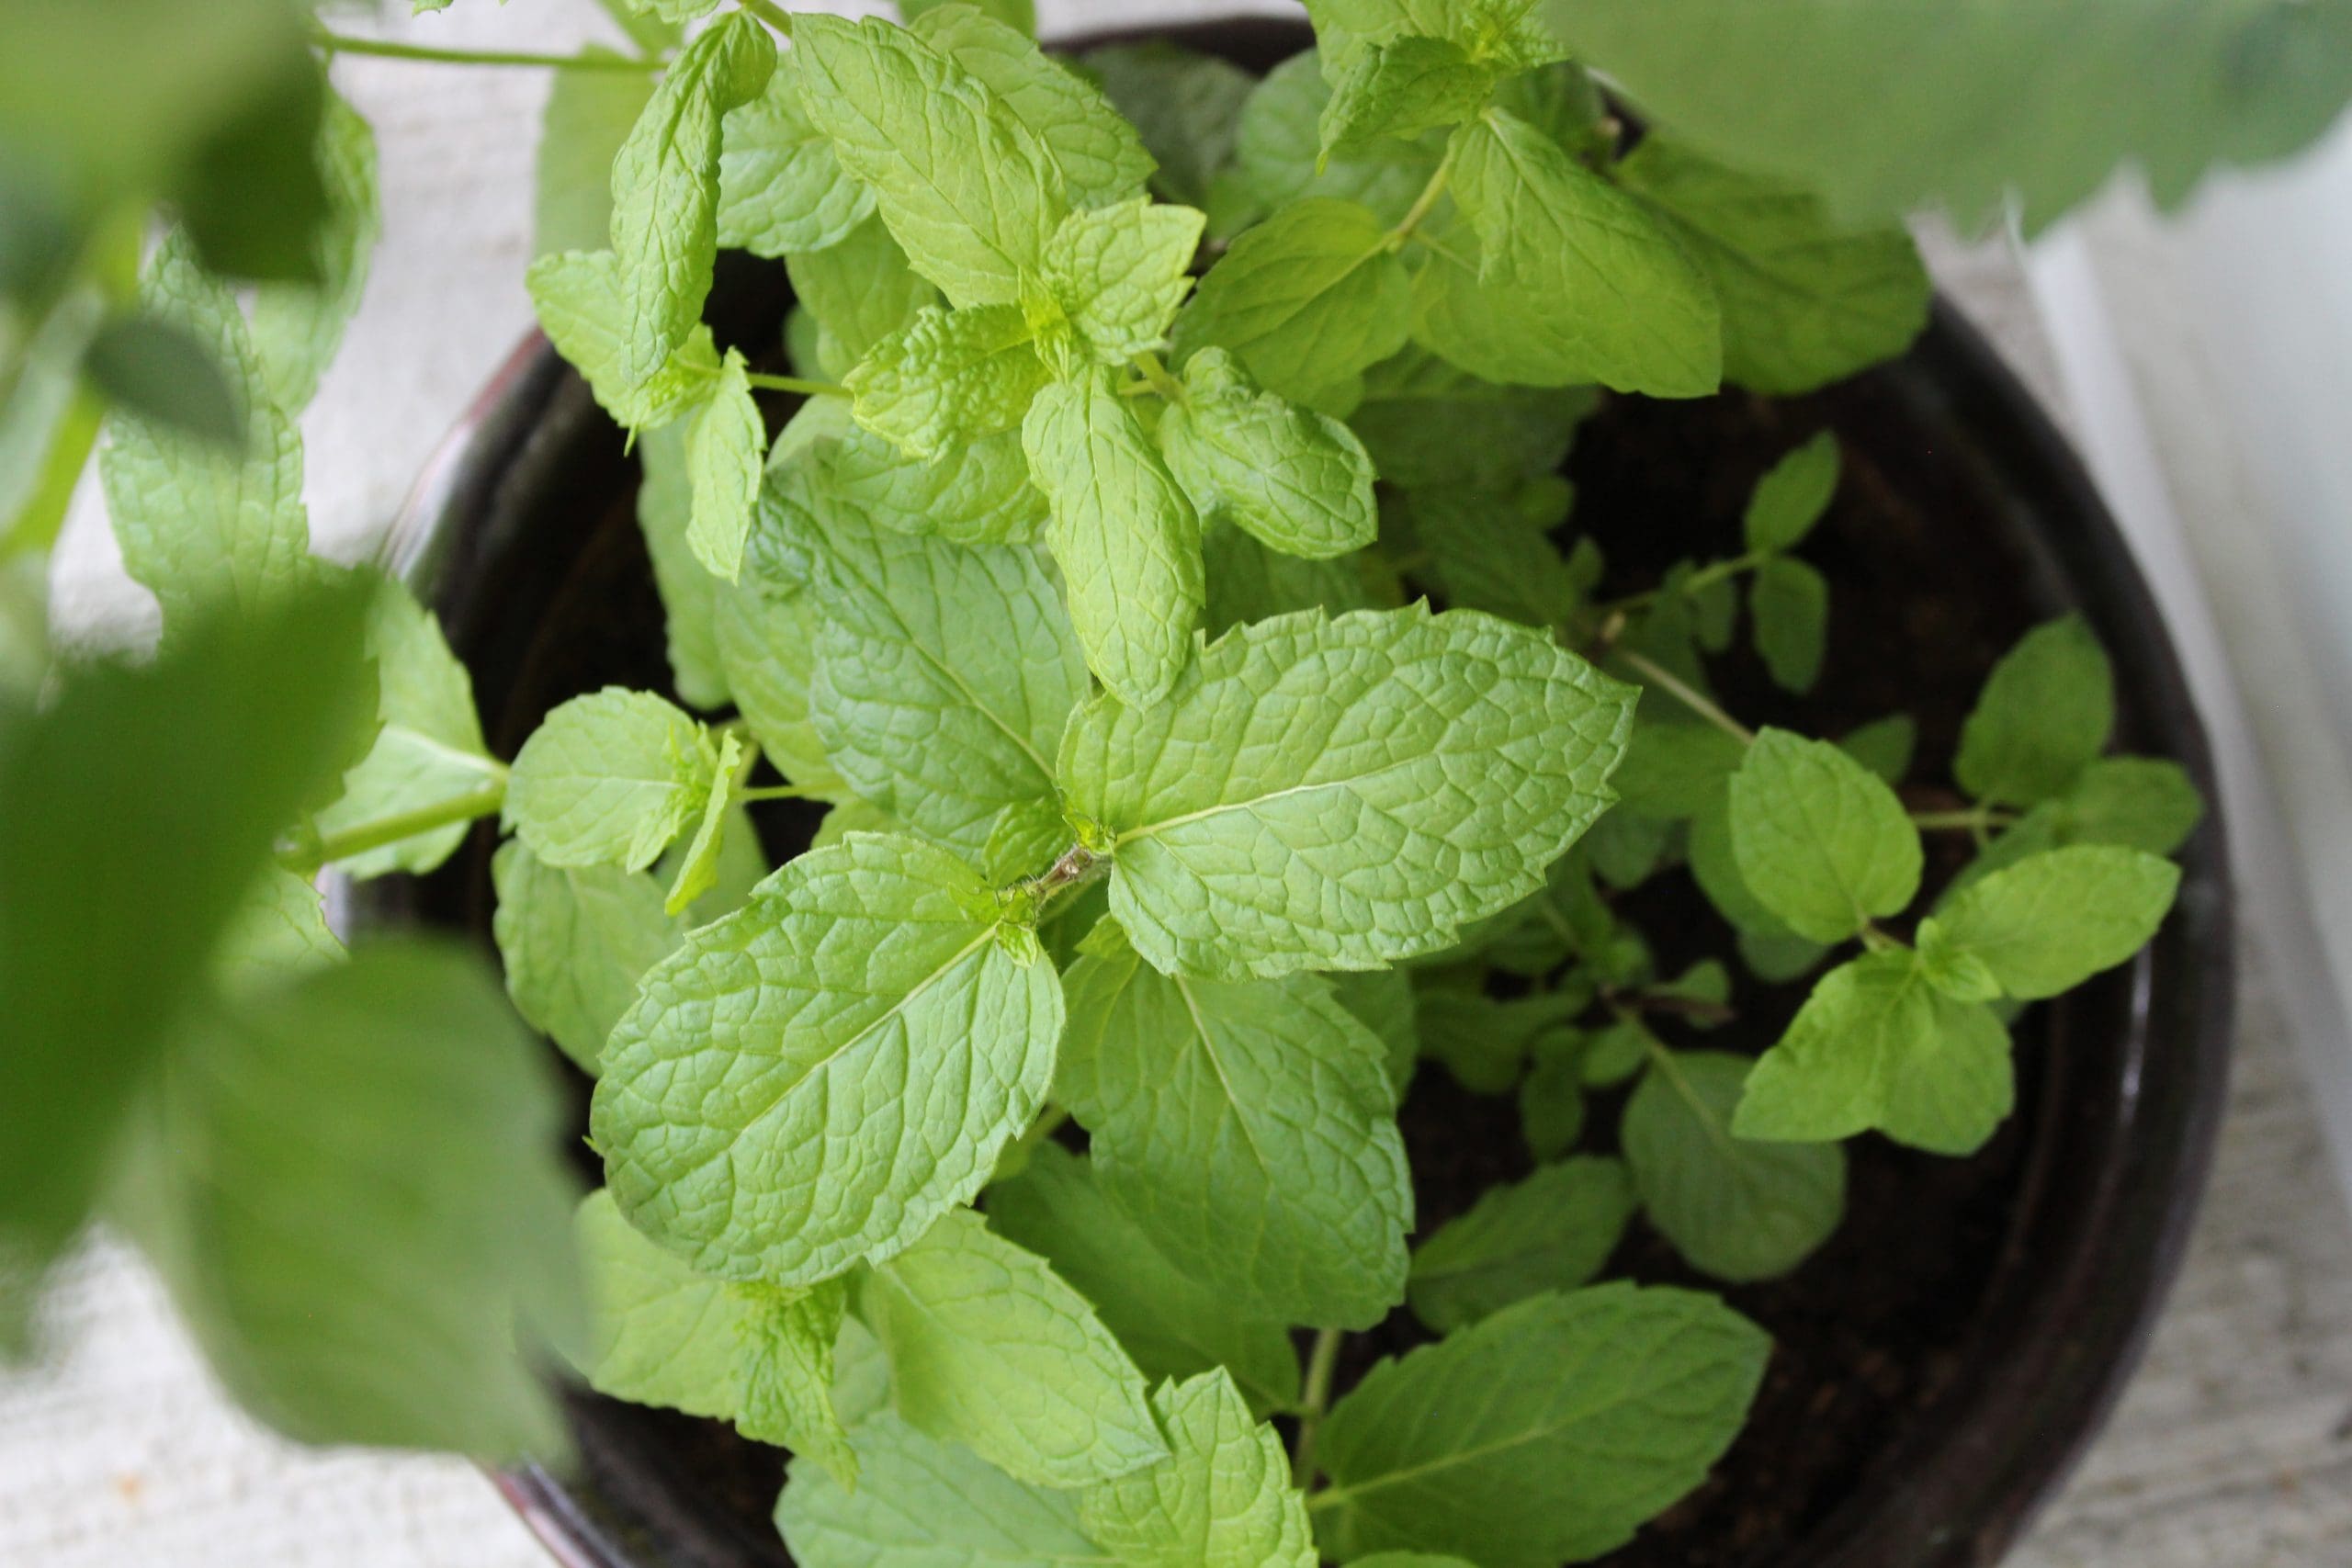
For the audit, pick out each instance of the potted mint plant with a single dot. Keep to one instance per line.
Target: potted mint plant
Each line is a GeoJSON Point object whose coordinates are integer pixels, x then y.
{"type": "Point", "coordinates": [1229, 877]}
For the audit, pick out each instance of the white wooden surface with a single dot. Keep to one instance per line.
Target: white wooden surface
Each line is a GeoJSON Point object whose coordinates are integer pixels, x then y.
{"type": "Point", "coordinates": [2231, 1449]}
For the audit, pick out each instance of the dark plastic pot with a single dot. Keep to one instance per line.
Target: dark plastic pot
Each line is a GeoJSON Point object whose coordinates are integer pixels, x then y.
{"type": "Point", "coordinates": [522, 522]}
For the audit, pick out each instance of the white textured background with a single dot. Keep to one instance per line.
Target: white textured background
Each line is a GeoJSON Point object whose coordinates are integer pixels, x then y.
{"type": "Point", "coordinates": [2233, 1449]}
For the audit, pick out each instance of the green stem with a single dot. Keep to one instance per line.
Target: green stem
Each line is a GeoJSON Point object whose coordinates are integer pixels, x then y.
{"type": "Point", "coordinates": [1313, 1401]}
{"type": "Point", "coordinates": [1705, 577]}
{"type": "Point", "coordinates": [796, 384]}
{"type": "Point", "coordinates": [1423, 203]}
{"type": "Point", "coordinates": [1049, 1120]}
{"type": "Point", "coordinates": [772, 13]}
{"type": "Point", "coordinates": [1673, 686]}
{"type": "Point", "coordinates": [1157, 376]}
{"type": "Point", "coordinates": [779, 791]}
{"type": "Point", "coordinates": [388, 830]}
{"type": "Point", "coordinates": [385, 49]}
{"type": "Point", "coordinates": [1976, 818]}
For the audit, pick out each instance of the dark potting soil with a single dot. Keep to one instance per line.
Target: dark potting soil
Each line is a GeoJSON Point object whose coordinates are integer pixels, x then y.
{"type": "Point", "coordinates": [1868, 1333]}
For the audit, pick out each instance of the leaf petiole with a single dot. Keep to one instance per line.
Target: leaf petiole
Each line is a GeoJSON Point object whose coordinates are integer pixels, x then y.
{"type": "Point", "coordinates": [1689, 696]}
{"type": "Point", "coordinates": [386, 49]}
{"type": "Point", "coordinates": [1313, 1401]}
{"type": "Point", "coordinates": [806, 389]}
{"type": "Point", "coordinates": [1705, 577]}
{"type": "Point", "coordinates": [387, 830]}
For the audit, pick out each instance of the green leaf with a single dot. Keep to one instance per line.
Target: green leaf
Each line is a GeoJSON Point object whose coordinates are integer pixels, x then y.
{"type": "Point", "coordinates": [1551, 1103]}
{"type": "Point", "coordinates": [1249, 1130]}
{"type": "Point", "coordinates": [819, 1076]}
{"type": "Point", "coordinates": [1965, 105]}
{"type": "Point", "coordinates": [1549, 1431]}
{"type": "Point", "coordinates": [767, 638]}
{"type": "Point", "coordinates": [1304, 301]}
{"type": "Point", "coordinates": [1341, 794]}
{"type": "Point", "coordinates": [2045, 712]}
{"type": "Point", "coordinates": [369, 1152]}
{"type": "Point", "coordinates": [1792, 496]}
{"type": "Point", "coordinates": [2142, 803]}
{"type": "Point", "coordinates": [1430, 423]}
{"type": "Point", "coordinates": [691, 597]}
{"type": "Point", "coordinates": [781, 189]}
{"type": "Point", "coordinates": [665, 192]}
{"type": "Point", "coordinates": [609, 779]}
{"type": "Point", "coordinates": [1805, 300]}
{"type": "Point", "coordinates": [1018, 15]}
{"type": "Point", "coordinates": [1715, 865]}
{"type": "Point", "coordinates": [1735, 1209]}
{"type": "Point", "coordinates": [195, 762]}
{"type": "Point", "coordinates": [1675, 771]}
{"type": "Point", "coordinates": [966, 189]}
{"type": "Point", "coordinates": [589, 115]}
{"type": "Point", "coordinates": [861, 290]}
{"type": "Point", "coordinates": [297, 326]}
{"type": "Point", "coordinates": [1403, 87]}
{"type": "Point", "coordinates": [989, 1347]}
{"type": "Point", "coordinates": [575, 940]}
{"type": "Point", "coordinates": [924, 1504]}
{"type": "Point", "coordinates": [200, 523]}
{"type": "Point", "coordinates": [1484, 1042]}
{"type": "Point", "coordinates": [697, 868]}
{"type": "Point", "coordinates": [279, 934]}
{"type": "Point", "coordinates": [1184, 105]}
{"type": "Point", "coordinates": [977, 493]}
{"type": "Point", "coordinates": [1575, 280]}
{"type": "Point", "coordinates": [1222, 1499]}
{"type": "Point", "coordinates": [429, 747]}
{"type": "Point", "coordinates": [1492, 549]}
{"type": "Point", "coordinates": [580, 299]}
{"type": "Point", "coordinates": [1382, 1001]}
{"type": "Point", "coordinates": [1820, 839]}
{"type": "Point", "coordinates": [1120, 272]}
{"type": "Point", "coordinates": [2053, 920]}
{"type": "Point", "coordinates": [1878, 1045]}
{"type": "Point", "coordinates": [942, 679]}
{"type": "Point", "coordinates": [1279, 154]}
{"type": "Point", "coordinates": [785, 1354]}
{"type": "Point", "coordinates": [1884, 746]}
{"type": "Point", "coordinates": [1172, 1321]}
{"type": "Point", "coordinates": [1250, 582]}
{"type": "Point", "coordinates": [1298, 480]}
{"type": "Point", "coordinates": [948, 378]}
{"type": "Point", "coordinates": [1790, 604]}
{"type": "Point", "coordinates": [1126, 539]}
{"type": "Point", "coordinates": [1101, 160]}
{"type": "Point", "coordinates": [724, 454]}
{"type": "Point", "coordinates": [1551, 1232]}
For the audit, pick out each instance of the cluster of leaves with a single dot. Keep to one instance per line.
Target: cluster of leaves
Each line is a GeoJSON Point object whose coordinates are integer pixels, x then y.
{"type": "Point", "coordinates": [1141, 400]}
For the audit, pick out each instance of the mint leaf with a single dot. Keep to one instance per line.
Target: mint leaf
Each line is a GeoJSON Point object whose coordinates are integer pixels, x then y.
{"type": "Point", "coordinates": [1877, 1045]}
{"type": "Point", "coordinates": [767, 641]}
{"type": "Point", "coordinates": [1382, 1001]}
{"type": "Point", "coordinates": [1127, 541]}
{"type": "Point", "coordinates": [1250, 582]}
{"type": "Point", "coordinates": [1675, 771]}
{"type": "Point", "coordinates": [1735, 1209]}
{"type": "Point", "coordinates": [665, 192]}
{"type": "Point", "coordinates": [280, 933]}
{"type": "Point", "coordinates": [976, 494]}
{"type": "Point", "coordinates": [919, 1502]}
{"type": "Point", "coordinates": [1249, 1130]}
{"type": "Point", "coordinates": [1172, 1321]}
{"type": "Point", "coordinates": [1101, 159]}
{"type": "Point", "coordinates": [2045, 714]}
{"type": "Point", "coordinates": [697, 869]}
{"type": "Point", "coordinates": [1790, 604]}
{"type": "Point", "coordinates": [783, 1348]}
{"type": "Point", "coordinates": [1484, 1042]}
{"type": "Point", "coordinates": [1304, 301]}
{"type": "Point", "coordinates": [2053, 920]}
{"type": "Point", "coordinates": [581, 304]}
{"type": "Point", "coordinates": [1184, 105]}
{"type": "Point", "coordinates": [989, 1347]}
{"type": "Point", "coordinates": [781, 189]}
{"type": "Point", "coordinates": [391, 1097]}
{"type": "Point", "coordinates": [203, 524]}
{"type": "Point", "coordinates": [1279, 154]}
{"type": "Point", "coordinates": [575, 939]}
{"type": "Point", "coordinates": [1222, 1499]}
{"type": "Point", "coordinates": [429, 747]}
{"type": "Point", "coordinates": [1492, 550]}
{"type": "Point", "coordinates": [1549, 1431]}
{"type": "Point", "coordinates": [724, 454]}
{"type": "Point", "coordinates": [1430, 423]}
{"type": "Point", "coordinates": [1402, 88]}
{"type": "Point", "coordinates": [589, 115]}
{"type": "Point", "coordinates": [2142, 803]}
{"type": "Point", "coordinates": [690, 594]}
{"type": "Point", "coordinates": [1884, 746]}
{"type": "Point", "coordinates": [1806, 300]}
{"type": "Point", "coordinates": [861, 290]}
{"type": "Point", "coordinates": [942, 679]}
{"type": "Point", "coordinates": [609, 779]}
{"type": "Point", "coordinates": [1298, 479]}
{"type": "Point", "coordinates": [1019, 15]}
{"type": "Point", "coordinates": [1772, 91]}
{"type": "Point", "coordinates": [1120, 272]}
{"type": "Point", "coordinates": [819, 1076]}
{"type": "Point", "coordinates": [1551, 1232]}
{"type": "Point", "coordinates": [1551, 1101]}
{"type": "Point", "coordinates": [1792, 496]}
{"type": "Point", "coordinates": [966, 188]}
{"type": "Point", "coordinates": [948, 378]}
{"type": "Point", "coordinates": [1820, 841]}
{"type": "Point", "coordinates": [297, 326]}
{"type": "Point", "coordinates": [1574, 281]}
{"type": "Point", "coordinates": [1341, 794]}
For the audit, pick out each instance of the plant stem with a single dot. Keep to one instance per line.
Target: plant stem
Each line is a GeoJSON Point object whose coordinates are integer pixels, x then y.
{"type": "Point", "coordinates": [1049, 1122]}
{"type": "Point", "coordinates": [1975, 820]}
{"type": "Point", "coordinates": [385, 830]}
{"type": "Point", "coordinates": [1423, 202]}
{"type": "Point", "coordinates": [777, 791]}
{"type": "Point", "coordinates": [1313, 1401]}
{"type": "Point", "coordinates": [796, 384]}
{"type": "Point", "coordinates": [770, 13]}
{"type": "Point", "coordinates": [1158, 378]}
{"type": "Point", "coordinates": [1673, 686]}
{"type": "Point", "coordinates": [1706, 576]}
{"type": "Point", "coordinates": [385, 49]}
